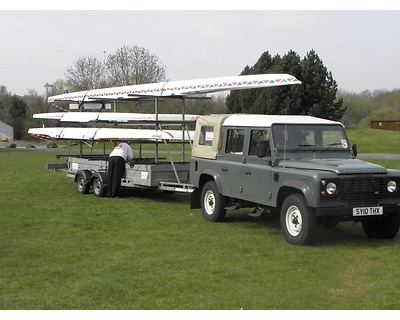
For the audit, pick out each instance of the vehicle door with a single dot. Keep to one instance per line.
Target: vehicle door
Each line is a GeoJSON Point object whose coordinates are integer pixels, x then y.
{"type": "Point", "coordinates": [231, 160]}
{"type": "Point", "coordinates": [256, 168]}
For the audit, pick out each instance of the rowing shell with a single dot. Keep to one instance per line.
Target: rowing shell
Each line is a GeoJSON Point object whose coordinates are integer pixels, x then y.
{"type": "Point", "coordinates": [84, 117]}
{"type": "Point", "coordinates": [179, 88]}
{"type": "Point", "coordinates": [109, 134]}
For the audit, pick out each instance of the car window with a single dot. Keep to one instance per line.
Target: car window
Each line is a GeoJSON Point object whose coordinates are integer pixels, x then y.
{"type": "Point", "coordinates": [234, 141]}
{"type": "Point", "coordinates": [259, 139]}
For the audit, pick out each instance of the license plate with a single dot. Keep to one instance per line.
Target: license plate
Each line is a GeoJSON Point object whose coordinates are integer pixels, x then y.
{"type": "Point", "coordinates": [367, 211]}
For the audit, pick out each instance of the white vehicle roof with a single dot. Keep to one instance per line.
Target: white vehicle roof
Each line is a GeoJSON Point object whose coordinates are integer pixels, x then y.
{"type": "Point", "coordinates": [217, 121]}
{"type": "Point", "coordinates": [261, 120]}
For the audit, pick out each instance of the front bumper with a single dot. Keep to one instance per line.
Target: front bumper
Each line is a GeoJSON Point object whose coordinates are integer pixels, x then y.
{"type": "Point", "coordinates": [346, 211]}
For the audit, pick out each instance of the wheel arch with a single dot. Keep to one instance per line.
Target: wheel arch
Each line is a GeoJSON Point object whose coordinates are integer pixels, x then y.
{"type": "Point", "coordinates": [86, 174]}
{"type": "Point", "coordinates": [292, 186]}
{"type": "Point", "coordinates": [207, 175]}
{"type": "Point", "coordinates": [102, 176]}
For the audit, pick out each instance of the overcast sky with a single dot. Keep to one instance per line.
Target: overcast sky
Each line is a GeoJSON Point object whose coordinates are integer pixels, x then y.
{"type": "Point", "coordinates": [360, 48]}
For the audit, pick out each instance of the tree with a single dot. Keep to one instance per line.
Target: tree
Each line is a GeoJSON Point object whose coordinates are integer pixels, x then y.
{"type": "Point", "coordinates": [319, 89]}
{"type": "Point", "coordinates": [127, 66]}
{"type": "Point", "coordinates": [60, 86]}
{"type": "Point", "coordinates": [279, 100]}
{"type": "Point", "coordinates": [370, 105]}
{"type": "Point", "coordinates": [17, 113]}
{"type": "Point", "coordinates": [276, 100]}
{"type": "Point", "coordinates": [35, 103]}
{"type": "Point", "coordinates": [5, 105]}
{"type": "Point", "coordinates": [316, 96]}
{"type": "Point", "coordinates": [86, 73]}
{"type": "Point", "coordinates": [134, 65]}
{"type": "Point", "coordinates": [238, 101]}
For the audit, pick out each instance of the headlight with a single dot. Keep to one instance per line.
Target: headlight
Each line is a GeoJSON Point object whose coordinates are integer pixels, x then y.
{"type": "Point", "coordinates": [391, 186]}
{"type": "Point", "coordinates": [331, 188]}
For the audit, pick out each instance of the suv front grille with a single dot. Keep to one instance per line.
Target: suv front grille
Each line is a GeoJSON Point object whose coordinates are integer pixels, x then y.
{"type": "Point", "coordinates": [356, 190]}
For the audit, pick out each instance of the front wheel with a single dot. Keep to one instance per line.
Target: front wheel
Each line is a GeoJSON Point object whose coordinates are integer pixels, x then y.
{"type": "Point", "coordinates": [298, 221]}
{"type": "Point", "coordinates": [81, 184]}
{"type": "Point", "coordinates": [212, 203]}
{"type": "Point", "coordinates": [385, 227]}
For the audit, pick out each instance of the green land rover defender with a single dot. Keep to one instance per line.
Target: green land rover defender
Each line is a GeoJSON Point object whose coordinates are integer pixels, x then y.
{"type": "Point", "coordinates": [299, 167]}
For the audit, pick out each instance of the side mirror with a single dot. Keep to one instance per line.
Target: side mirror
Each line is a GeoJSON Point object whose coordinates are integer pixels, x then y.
{"type": "Point", "coordinates": [354, 149]}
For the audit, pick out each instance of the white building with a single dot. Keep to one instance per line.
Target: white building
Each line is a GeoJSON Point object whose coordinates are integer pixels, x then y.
{"type": "Point", "coordinates": [6, 131]}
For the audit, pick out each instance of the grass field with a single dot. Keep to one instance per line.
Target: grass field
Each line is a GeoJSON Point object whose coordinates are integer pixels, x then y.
{"type": "Point", "coordinates": [148, 250]}
{"type": "Point", "coordinates": [375, 140]}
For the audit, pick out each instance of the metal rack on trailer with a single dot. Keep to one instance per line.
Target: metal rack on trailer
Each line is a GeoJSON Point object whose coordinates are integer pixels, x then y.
{"type": "Point", "coordinates": [159, 171]}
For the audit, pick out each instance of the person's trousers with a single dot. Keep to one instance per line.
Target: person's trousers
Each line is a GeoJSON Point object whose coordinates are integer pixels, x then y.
{"type": "Point", "coordinates": [116, 170]}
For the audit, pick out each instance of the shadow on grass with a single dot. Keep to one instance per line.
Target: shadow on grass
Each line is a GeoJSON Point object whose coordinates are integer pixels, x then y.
{"type": "Point", "coordinates": [344, 234]}
{"type": "Point", "coordinates": [155, 195]}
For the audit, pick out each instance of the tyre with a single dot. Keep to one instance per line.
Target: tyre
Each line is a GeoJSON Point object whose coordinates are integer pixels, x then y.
{"type": "Point", "coordinates": [212, 203]}
{"type": "Point", "coordinates": [98, 187]}
{"type": "Point", "coordinates": [385, 227]}
{"type": "Point", "coordinates": [298, 221]}
{"type": "Point", "coordinates": [82, 185]}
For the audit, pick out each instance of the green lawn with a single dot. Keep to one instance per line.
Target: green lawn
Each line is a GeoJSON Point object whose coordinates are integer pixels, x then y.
{"type": "Point", "coordinates": [375, 140]}
{"type": "Point", "coordinates": [148, 250]}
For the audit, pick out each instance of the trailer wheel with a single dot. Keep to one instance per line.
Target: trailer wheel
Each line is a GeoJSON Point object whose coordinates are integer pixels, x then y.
{"type": "Point", "coordinates": [99, 189]}
{"type": "Point", "coordinates": [212, 203]}
{"type": "Point", "coordinates": [298, 221]}
{"type": "Point", "coordinates": [82, 184]}
{"type": "Point", "coordinates": [385, 227]}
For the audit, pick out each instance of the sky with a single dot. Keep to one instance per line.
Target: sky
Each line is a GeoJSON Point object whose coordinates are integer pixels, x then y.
{"type": "Point", "coordinates": [359, 46]}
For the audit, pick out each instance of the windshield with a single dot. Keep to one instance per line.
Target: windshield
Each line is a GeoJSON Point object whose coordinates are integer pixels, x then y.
{"type": "Point", "coordinates": [309, 137]}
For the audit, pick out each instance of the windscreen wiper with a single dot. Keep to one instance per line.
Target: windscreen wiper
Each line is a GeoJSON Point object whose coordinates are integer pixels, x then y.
{"type": "Point", "coordinates": [332, 144]}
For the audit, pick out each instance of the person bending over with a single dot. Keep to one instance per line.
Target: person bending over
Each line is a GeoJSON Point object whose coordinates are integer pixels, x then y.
{"type": "Point", "coordinates": [121, 154]}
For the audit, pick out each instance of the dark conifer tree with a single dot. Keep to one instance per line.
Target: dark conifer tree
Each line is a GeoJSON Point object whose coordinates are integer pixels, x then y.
{"type": "Point", "coordinates": [18, 112]}
{"type": "Point", "coordinates": [319, 89]}
{"type": "Point", "coordinates": [316, 95]}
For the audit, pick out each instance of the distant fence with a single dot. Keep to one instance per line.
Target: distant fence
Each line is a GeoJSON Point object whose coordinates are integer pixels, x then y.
{"type": "Point", "coordinates": [386, 124]}
{"type": "Point", "coordinates": [6, 131]}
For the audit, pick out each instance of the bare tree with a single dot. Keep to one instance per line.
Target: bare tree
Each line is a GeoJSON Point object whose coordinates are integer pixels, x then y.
{"type": "Point", "coordinates": [86, 73]}
{"type": "Point", "coordinates": [60, 86]}
{"type": "Point", "coordinates": [134, 65]}
{"type": "Point", "coordinates": [127, 66]}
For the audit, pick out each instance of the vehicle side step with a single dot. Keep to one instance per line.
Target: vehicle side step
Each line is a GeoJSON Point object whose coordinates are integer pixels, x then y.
{"type": "Point", "coordinates": [257, 212]}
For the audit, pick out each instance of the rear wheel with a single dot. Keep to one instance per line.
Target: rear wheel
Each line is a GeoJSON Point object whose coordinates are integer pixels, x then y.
{"type": "Point", "coordinates": [385, 227]}
{"type": "Point", "coordinates": [98, 187]}
{"type": "Point", "coordinates": [212, 203]}
{"type": "Point", "coordinates": [298, 221]}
